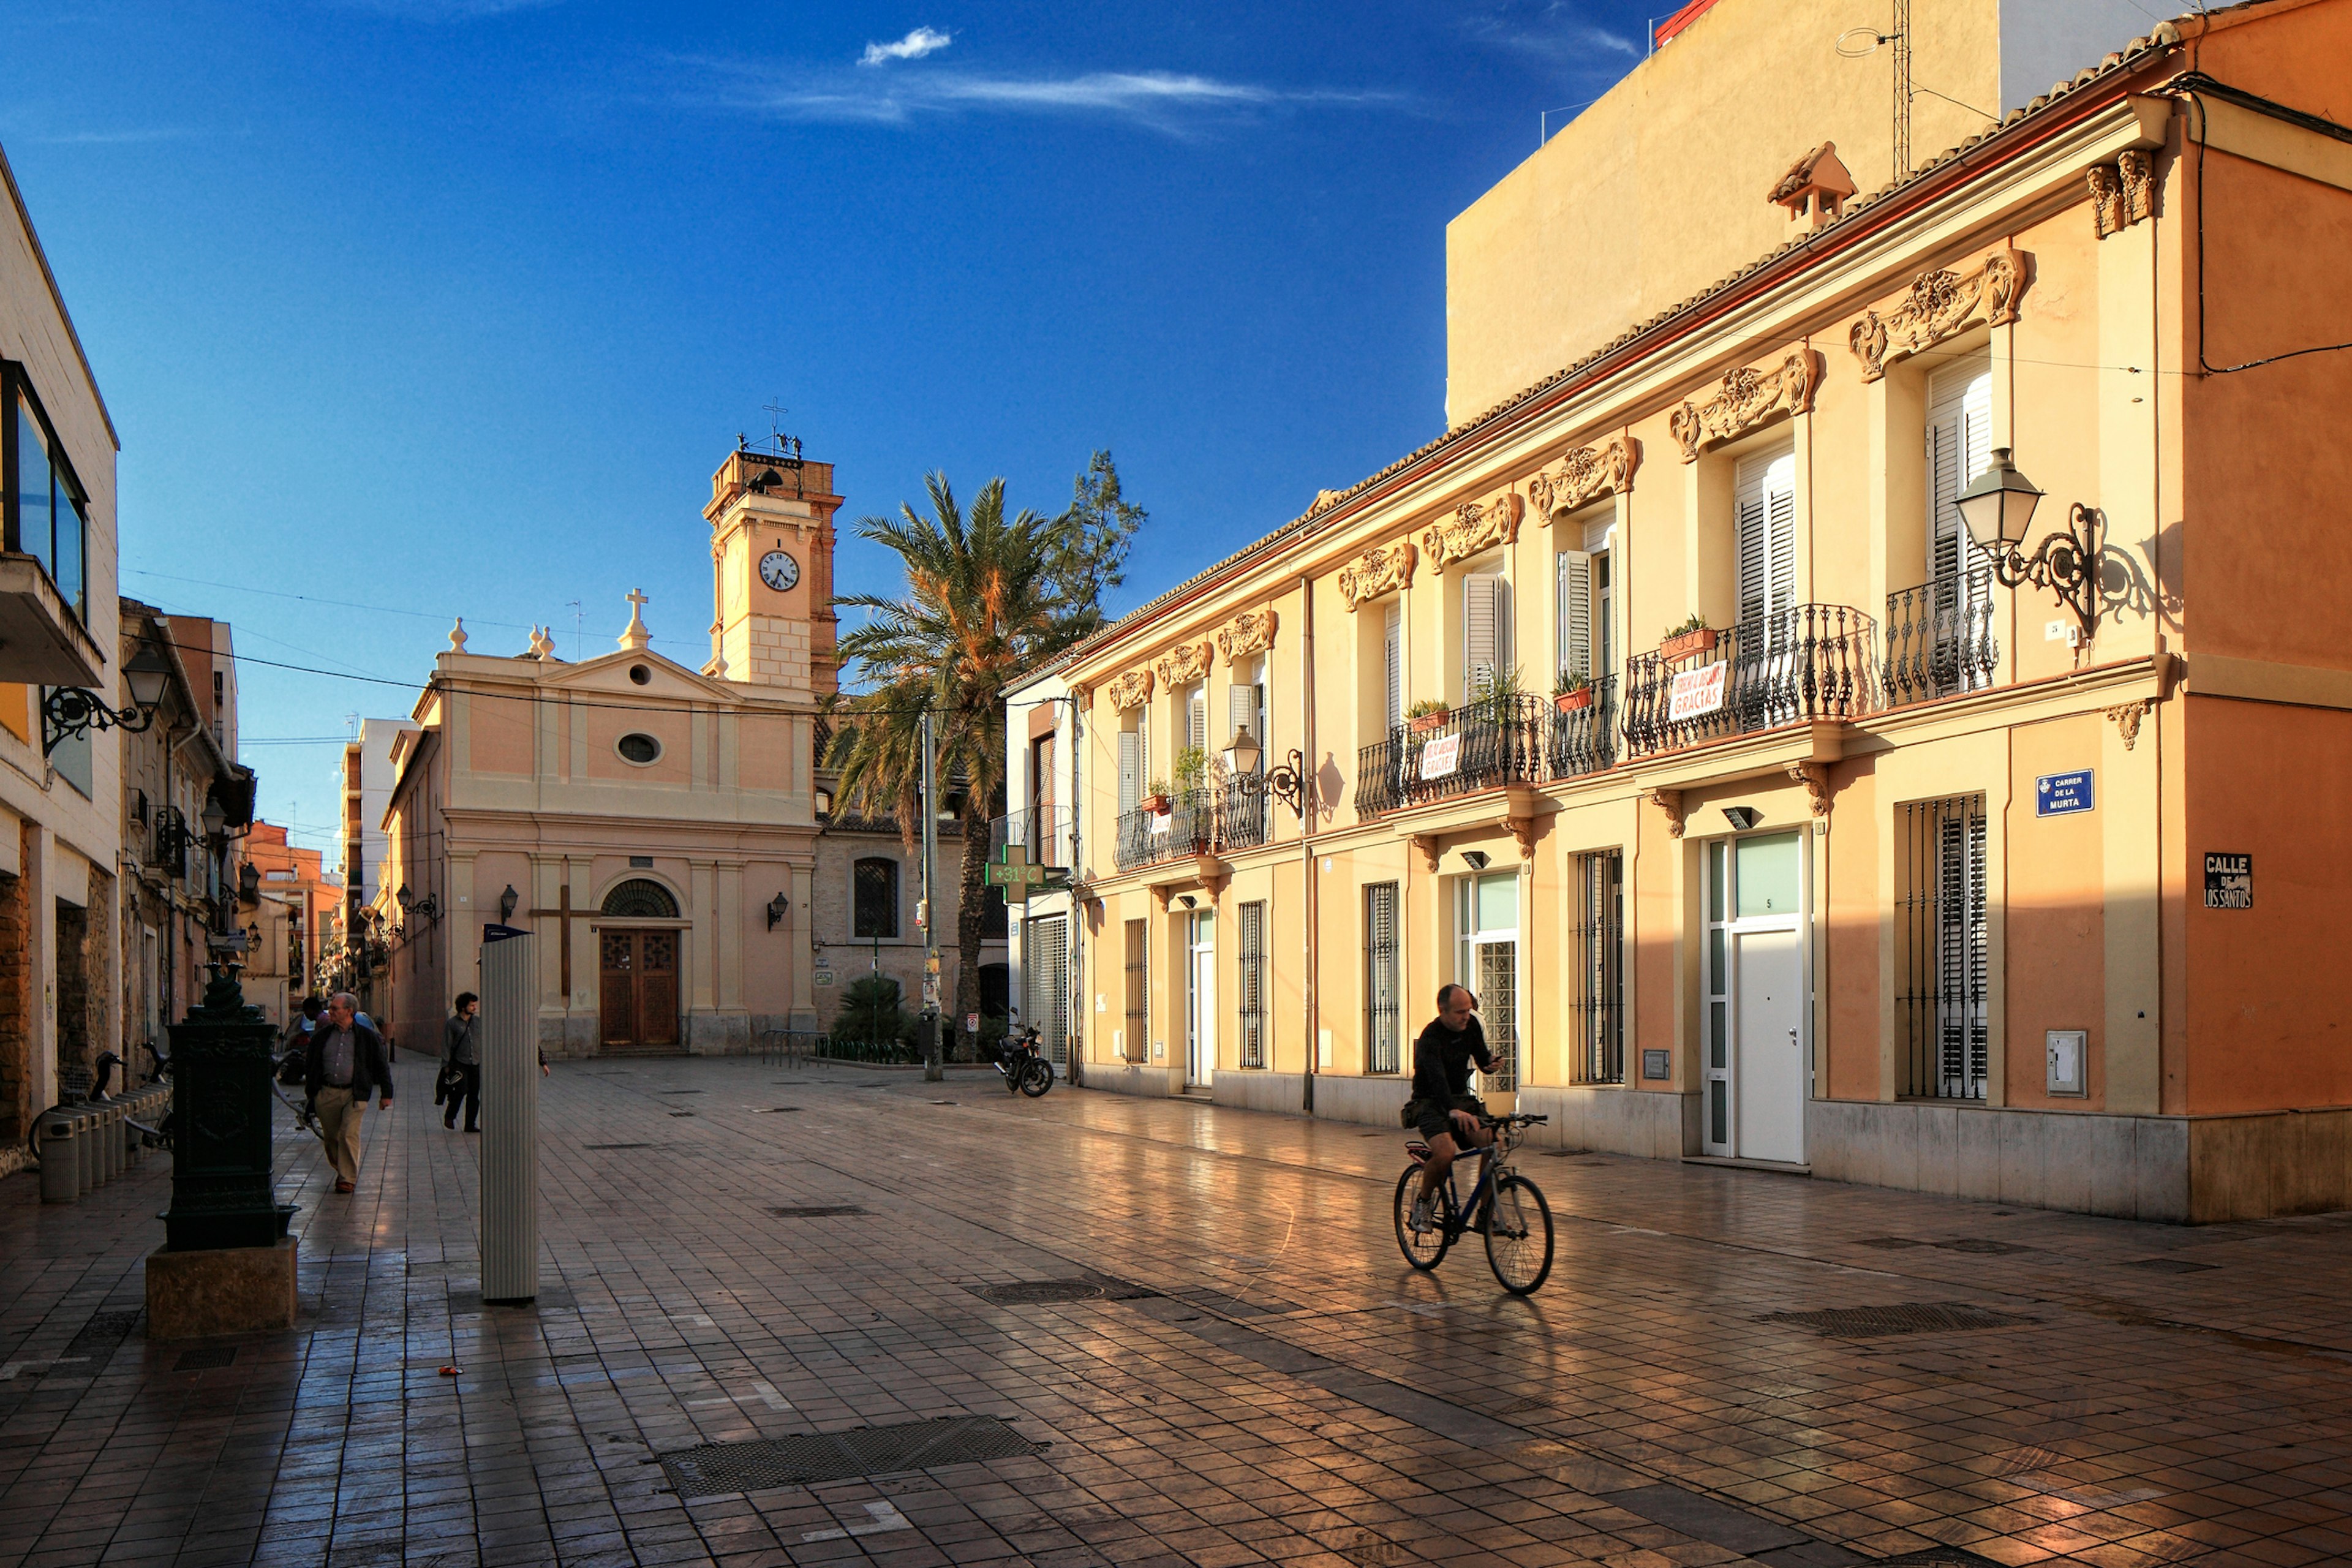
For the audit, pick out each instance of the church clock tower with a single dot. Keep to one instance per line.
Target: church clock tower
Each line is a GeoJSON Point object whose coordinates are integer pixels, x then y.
{"type": "Point", "coordinates": [771, 571]}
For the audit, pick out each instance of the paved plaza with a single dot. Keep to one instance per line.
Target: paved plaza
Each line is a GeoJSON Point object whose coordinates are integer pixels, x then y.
{"type": "Point", "coordinates": [736, 1251]}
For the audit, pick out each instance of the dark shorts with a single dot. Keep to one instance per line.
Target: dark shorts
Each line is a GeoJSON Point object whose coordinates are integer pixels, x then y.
{"type": "Point", "coordinates": [1433, 1119]}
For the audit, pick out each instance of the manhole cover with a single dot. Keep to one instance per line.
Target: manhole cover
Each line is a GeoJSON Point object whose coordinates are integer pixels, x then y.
{"type": "Point", "coordinates": [1038, 1292]}
{"type": "Point", "coordinates": [603, 1148]}
{"type": "Point", "coordinates": [2170, 1264]}
{"type": "Point", "coordinates": [1980, 1247]}
{"type": "Point", "coordinates": [816, 1211]}
{"type": "Point", "coordinates": [719, 1467]}
{"type": "Point", "coordinates": [1909, 1318]}
{"type": "Point", "coordinates": [205, 1358]}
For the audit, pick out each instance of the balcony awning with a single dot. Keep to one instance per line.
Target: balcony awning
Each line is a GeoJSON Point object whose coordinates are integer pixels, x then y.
{"type": "Point", "coordinates": [42, 643]}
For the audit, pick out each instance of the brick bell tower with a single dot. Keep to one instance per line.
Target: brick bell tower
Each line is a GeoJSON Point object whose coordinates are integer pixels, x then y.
{"type": "Point", "coordinates": [770, 516]}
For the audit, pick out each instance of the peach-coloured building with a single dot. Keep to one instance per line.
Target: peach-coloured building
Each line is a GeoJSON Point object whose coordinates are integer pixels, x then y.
{"type": "Point", "coordinates": [286, 905]}
{"type": "Point", "coordinates": [1671, 703]}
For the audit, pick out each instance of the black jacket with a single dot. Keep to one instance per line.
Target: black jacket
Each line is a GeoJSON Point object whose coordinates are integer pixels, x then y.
{"type": "Point", "coordinates": [371, 1073]}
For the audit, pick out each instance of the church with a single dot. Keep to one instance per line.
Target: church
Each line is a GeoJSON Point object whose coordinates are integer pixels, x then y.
{"type": "Point", "coordinates": [663, 831]}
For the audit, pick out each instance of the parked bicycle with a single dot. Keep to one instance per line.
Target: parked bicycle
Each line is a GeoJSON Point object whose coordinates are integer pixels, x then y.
{"type": "Point", "coordinates": [1022, 1066]}
{"type": "Point", "coordinates": [1503, 1206]}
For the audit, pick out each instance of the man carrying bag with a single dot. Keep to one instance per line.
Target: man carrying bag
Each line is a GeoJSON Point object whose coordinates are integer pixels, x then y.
{"type": "Point", "coordinates": [461, 1063]}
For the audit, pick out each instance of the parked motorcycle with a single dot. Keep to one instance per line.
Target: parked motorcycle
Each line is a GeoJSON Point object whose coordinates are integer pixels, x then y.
{"type": "Point", "coordinates": [1022, 1066]}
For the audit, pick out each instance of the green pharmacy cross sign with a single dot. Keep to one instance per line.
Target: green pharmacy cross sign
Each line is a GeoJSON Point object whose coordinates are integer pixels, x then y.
{"type": "Point", "coordinates": [1019, 876]}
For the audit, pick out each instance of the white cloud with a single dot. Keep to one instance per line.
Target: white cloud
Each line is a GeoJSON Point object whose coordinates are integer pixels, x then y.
{"type": "Point", "coordinates": [1160, 99]}
{"type": "Point", "coordinates": [913, 46]}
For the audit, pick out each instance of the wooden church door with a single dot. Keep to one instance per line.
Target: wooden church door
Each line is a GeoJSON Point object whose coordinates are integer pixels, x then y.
{"type": "Point", "coordinates": [637, 987]}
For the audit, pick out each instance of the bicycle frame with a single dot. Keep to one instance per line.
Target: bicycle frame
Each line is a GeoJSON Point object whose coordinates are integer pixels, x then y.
{"type": "Point", "coordinates": [1492, 1168]}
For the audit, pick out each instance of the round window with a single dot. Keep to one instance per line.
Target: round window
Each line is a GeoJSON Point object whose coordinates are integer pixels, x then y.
{"type": "Point", "coordinates": [640, 748]}
{"type": "Point", "coordinates": [640, 674]}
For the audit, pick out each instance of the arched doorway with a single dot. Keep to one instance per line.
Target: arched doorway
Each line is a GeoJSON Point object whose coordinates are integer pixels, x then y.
{"type": "Point", "coordinates": [637, 969]}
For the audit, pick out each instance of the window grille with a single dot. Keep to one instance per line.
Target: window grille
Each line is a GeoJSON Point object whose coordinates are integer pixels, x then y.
{"type": "Point", "coordinates": [1942, 967]}
{"type": "Point", "coordinates": [1600, 950]}
{"type": "Point", "coordinates": [1384, 981]}
{"type": "Point", "coordinates": [1139, 992]}
{"type": "Point", "coordinates": [1253, 985]}
{"type": "Point", "coordinates": [873, 884]}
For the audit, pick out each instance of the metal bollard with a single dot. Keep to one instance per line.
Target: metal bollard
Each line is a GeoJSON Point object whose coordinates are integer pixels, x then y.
{"type": "Point", "coordinates": [85, 1156]}
{"type": "Point", "coordinates": [112, 1142]}
{"type": "Point", "coordinates": [105, 1156]}
{"type": "Point", "coordinates": [60, 1160]}
{"type": "Point", "coordinates": [131, 1134]}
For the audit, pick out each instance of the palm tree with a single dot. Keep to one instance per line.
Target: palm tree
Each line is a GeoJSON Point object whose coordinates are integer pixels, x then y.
{"type": "Point", "coordinates": [979, 607]}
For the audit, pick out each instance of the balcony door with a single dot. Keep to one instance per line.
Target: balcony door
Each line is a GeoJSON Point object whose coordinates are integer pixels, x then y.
{"type": "Point", "coordinates": [1959, 575]}
{"type": "Point", "coordinates": [1764, 488]}
{"type": "Point", "coordinates": [1487, 915]}
{"type": "Point", "coordinates": [1753, 1066]}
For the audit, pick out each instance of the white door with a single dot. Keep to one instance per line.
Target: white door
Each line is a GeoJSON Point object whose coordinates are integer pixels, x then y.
{"type": "Point", "coordinates": [1771, 1074]}
{"type": "Point", "coordinates": [1755, 1052]}
{"type": "Point", "coordinates": [1201, 992]}
{"type": "Point", "coordinates": [1487, 916]}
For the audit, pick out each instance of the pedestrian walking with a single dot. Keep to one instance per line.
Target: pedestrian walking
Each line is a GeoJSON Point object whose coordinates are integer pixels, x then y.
{"type": "Point", "coordinates": [462, 1062]}
{"type": "Point", "coordinates": [346, 1065]}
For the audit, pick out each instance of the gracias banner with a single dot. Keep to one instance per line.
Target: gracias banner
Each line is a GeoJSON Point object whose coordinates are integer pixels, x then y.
{"type": "Point", "coordinates": [1698, 692]}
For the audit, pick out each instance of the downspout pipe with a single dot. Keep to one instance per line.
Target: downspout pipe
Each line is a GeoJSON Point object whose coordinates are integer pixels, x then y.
{"type": "Point", "coordinates": [1307, 846]}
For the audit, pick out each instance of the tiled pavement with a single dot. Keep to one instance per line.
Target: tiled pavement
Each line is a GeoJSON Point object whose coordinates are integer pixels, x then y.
{"type": "Point", "coordinates": [1294, 1395]}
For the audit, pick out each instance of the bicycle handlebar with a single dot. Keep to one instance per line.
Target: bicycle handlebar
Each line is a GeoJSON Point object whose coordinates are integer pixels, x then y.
{"type": "Point", "coordinates": [1516, 1121]}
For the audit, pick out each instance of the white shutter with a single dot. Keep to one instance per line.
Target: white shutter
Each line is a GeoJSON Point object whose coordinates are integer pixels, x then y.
{"type": "Point", "coordinates": [1393, 641]}
{"type": "Point", "coordinates": [1765, 496]}
{"type": "Point", "coordinates": [1575, 613]}
{"type": "Point", "coordinates": [1196, 719]}
{"type": "Point", "coordinates": [1485, 632]}
{"type": "Point", "coordinates": [1960, 447]}
{"type": "Point", "coordinates": [1245, 709]}
{"type": "Point", "coordinates": [1131, 769]}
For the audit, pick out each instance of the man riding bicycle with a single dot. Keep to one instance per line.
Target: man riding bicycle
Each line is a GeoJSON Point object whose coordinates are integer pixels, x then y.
{"type": "Point", "coordinates": [1442, 1106]}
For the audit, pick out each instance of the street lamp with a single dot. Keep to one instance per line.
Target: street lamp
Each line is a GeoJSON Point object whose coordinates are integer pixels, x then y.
{"type": "Point", "coordinates": [1286, 784]}
{"type": "Point", "coordinates": [507, 903]}
{"type": "Point", "coordinates": [1998, 507]}
{"type": "Point", "coordinates": [70, 711]}
{"type": "Point", "coordinates": [776, 908]}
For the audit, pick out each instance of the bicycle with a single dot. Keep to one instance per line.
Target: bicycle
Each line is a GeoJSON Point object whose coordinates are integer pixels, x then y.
{"type": "Point", "coordinates": [1505, 1207]}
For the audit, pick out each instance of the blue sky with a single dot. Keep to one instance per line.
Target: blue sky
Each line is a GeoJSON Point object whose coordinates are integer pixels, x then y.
{"type": "Point", "coordinates": [452, 306]}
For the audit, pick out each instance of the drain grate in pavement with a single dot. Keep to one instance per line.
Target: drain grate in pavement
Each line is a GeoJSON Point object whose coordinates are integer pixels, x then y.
{"type": "Point", "coordinates": [1889, 1242]}
{"type": "Point", "coordinates": [607, 1147]}
{"type": "Point", "coordinates": [95, 1342]}
{"type": "Point", "coordinates": [1935, 1557]}
{"type": "Point", "coordinates": [1039, 1292]}
{"type": "Point", "coordinates": [681, 1091]}
{"type": "Point", "coordinates": [681, 1113]}
{"type": "Point", "coordinates": [2170, 1265]}
{"type": "Point", "coordinates": [814, 1211]}
{"type": "Point", "coordinates": [720, 1467]}
{"type": "Point", "coordinates": [205, 1358]}
{"type": "Point", "coordinates": [775, 1109]}
{"type": "Point", "coordinates": [1908, 1318]}
{"type": "Point", "coordinates": [1236, 1306]}
{"type": "Point", "coordinates": [1982, 1247]}
{"type": "Point", "coordinates": [550, 1296]}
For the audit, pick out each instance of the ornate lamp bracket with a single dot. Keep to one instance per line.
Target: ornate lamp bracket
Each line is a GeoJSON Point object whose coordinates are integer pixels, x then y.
{"type": "Point", "coordinates": [69, 711]}
{"type": "Point", "coordinates": [2067, 564]}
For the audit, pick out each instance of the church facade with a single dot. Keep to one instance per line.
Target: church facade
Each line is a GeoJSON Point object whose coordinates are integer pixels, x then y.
{"type": "Point", "coordinates": [654, 826]}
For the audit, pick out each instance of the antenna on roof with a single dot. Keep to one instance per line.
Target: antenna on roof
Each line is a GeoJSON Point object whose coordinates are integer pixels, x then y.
{"type": "Point", "coordinates": [1860, 44]}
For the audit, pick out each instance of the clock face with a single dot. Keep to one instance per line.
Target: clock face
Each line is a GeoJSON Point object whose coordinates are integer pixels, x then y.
{"type": "Point", "coordinates": [779, 571]}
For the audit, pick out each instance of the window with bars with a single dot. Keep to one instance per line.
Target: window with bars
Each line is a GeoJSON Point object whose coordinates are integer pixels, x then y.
{"type": "Point", "coordinates": [1599, 955]}
{"type": "Point", "coordinates": [1136, 1040]}
{"type": "Point", "coordinates": [1384, 981]}
{"type": "Point", "coordinates": [1252, 977]}
{"type": "Point", "coordinates": [1943, 961]}
{"type": "Point", "coordinates": [874, 898]}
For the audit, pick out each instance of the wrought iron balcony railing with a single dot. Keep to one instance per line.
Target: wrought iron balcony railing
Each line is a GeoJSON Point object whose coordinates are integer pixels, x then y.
{"type": "Point", "coordinates": [1794, 665]}
{"type": "Point", "coordinates": [1243, 820]}
{"type": "Point", "coordinates": [1229, 814]}
{"type": "Point", "coordinates": [1042, 830]}
{"type": "Point", "coordinates": [1584, 740]}
{"type": "Point", "coordinates": [1940, 639]}
{"type": "Point", "coordinates": [1493, 741]}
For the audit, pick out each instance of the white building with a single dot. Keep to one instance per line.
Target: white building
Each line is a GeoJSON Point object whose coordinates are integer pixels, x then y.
{"type": "Point", "coordinates": [1041, 822]}
{"type": "Point", "coordinates": [364, 783]}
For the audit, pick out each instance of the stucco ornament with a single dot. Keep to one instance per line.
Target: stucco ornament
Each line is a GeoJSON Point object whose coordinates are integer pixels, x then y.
{"type": "Point", "coordinates": [1184, 664]}
{"type": "Point", "coordinates": [1584, 476]}
{"type": "Point", "coordinates": [1750, 399]}
{"type": "Point", "coordinates": [2122, 193]}
{"type": "Point", "coordinates": [1473, 528]}
{"type": "Point", "coordinates": [1132, 690]}
{"type": "Point", "coordinates": [1941, 304]}
{"type": "Point", "coordinates": [1380, 572]}
{"type": "Point", "coordinates": [1250, 632]}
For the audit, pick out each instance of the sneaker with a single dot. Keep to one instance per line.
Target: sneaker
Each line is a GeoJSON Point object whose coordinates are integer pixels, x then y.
{"type": "Point", "coordinates": [1420, 1207]}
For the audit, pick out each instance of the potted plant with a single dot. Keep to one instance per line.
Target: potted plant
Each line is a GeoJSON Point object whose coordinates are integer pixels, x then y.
{"type": "Point", "coordinates": [1425, 715]}
{"type": "Point", "coordinates": [1694, 636]}
{"type": "Point", "coordinates": [1155, 797]}
{"type": "Point", "coordinates": [1571, 692]}
{"type": "Point", "coordinates": [1190, 769]}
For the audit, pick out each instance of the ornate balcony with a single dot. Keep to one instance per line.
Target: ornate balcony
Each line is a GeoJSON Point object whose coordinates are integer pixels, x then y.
{"type": "Point", "coordinates": [1940, 639]}
{"type": "Point", "coordinates": [1584, 740]}
{"type": "Point", "coordinates": [1491, 742]}
{"type": "Point", "coordinates": [1806, 663]}
{"type": "Point", "coordinates": [1229, 814]}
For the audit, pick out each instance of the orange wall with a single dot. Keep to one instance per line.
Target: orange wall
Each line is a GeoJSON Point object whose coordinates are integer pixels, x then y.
{"type": "Point", "coordinates": [1847, 1055]}
{"type": "Point", "coordinates": [2267, 1021]}
{"type": "Point", "coordinates": [2056, 949]}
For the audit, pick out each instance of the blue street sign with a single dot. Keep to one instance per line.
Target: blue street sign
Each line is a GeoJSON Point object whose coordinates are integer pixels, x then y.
{"type": "Point", "coordinates": [2062, 795]}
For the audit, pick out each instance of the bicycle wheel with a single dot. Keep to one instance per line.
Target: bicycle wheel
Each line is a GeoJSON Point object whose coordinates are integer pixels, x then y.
{"type": "Point", "coordinates": [1037, 1077]}
{"type": "Point", "coordinates": [1424, 1249]}
{"type": "Point", "coordinates": [1519, 1235]}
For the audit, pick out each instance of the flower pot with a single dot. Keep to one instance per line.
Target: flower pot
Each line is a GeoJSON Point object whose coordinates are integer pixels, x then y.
{"type": "Point", "coordinates": [1157, 805]}
{"type": "Point", "coordinates": [1427, 723]}
{"type": "Point", "coordinates": [1570, 701]}
{"type": "Point", "coordinates": [1682, 645]}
